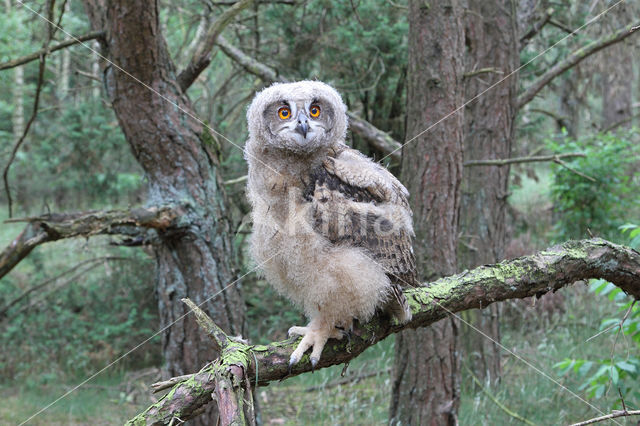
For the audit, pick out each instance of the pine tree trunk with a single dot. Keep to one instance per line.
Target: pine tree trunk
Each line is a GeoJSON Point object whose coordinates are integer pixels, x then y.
{"type": "Point", "coordinates": [426, 370]}
{"type": "Point", "coordinates": [492, 42]}
{"type": "Point", "coordinates": [170, 146]}
{"type": "Point", "coordinates": [615, 77]}
{"type": "Point", "coordinates": [65, 65]}
{"type": "Point", "coordinates": [17, 117]}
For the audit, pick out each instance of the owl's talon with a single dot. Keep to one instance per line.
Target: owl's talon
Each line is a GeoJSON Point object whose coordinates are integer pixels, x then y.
{"type": "Point", "coordinates": [292, 361]}
{"type": "Point", "coordinates": [314, 362]}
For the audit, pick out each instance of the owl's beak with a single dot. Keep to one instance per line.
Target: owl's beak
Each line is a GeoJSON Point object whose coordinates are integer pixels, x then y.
{"type": "Point", "coordinates": [303, 125]}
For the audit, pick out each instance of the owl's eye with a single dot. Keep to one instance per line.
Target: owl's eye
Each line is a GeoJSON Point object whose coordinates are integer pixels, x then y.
{"type": "Point", "coordinates": [314, 111]}
{"type": "Point", "coordinates": [284, 113]}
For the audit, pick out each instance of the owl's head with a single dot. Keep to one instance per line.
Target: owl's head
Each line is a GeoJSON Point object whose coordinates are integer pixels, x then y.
{"type": "Point", "coordinates": [300, 117]}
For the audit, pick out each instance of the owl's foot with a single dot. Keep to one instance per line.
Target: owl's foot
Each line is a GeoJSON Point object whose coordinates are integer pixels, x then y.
{"type": "Point", "coordinates": [315, 335]}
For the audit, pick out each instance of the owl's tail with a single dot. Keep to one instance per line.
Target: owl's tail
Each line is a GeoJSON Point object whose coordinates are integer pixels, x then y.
{"type": "Point", "coordinates": [397, 305]}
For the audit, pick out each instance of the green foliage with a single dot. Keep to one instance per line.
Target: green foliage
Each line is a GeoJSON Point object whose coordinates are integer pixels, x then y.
{"type": "Point", "coordinates": [620, 371]}
{"type": "Point", "coordinates": [598, 207]}
{"type": "Point", "coordinates": [79, 322]}
{"type": "Point", "coordinates": [83, 158]}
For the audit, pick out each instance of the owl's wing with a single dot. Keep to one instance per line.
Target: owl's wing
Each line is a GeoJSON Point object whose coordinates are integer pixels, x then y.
{"type": "Point", "coordinates": [357, 202]}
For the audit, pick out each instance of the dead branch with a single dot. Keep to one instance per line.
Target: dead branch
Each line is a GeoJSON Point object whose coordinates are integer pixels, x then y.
{"type": "Point", "coordinates": [516, 160]}
{"type": "Point", "coordinates": [92, 264]}
{"type": "Point", "coordinates": [495, 400]}
{"type": "Point", "coordinates": [573, 170]}
{"type": "Point", "coordinates": [44, 51]}
{"type": "Point", "coordinates": [203, 53]}
{"type": "Point", "coordinates": [18, 144]}
{"type": "Point", "coordinates": [615, 414]}
{"type": "Point", "coordinates": [527, 276]}
{"type": "Point", "coordinates": [537, 26]}
{"type": "Point", "coordinates": [53, 227]}
{"type": "Point", "coordinates": [375, 137]}
{"type": "Point", "coordinates": [231, 2]}
{"type": "Point", "coordinates": [572, 60]}
{"type": "Point", "coordinates": [480, 71]}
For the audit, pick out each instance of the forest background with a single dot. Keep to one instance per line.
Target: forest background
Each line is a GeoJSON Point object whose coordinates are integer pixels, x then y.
{"type": "Point", "coordinates": [72, 307]}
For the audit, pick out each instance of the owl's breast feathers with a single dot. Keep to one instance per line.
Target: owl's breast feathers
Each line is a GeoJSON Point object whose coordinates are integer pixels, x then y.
{"type": "Point", "coordinates": [358, 203]}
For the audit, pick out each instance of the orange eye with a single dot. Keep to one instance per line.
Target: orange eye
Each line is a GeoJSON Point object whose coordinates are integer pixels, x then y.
{"type": "Point", "coordinates": [314, 111]}
{"type": "Point", "coordinates": [284, 113]}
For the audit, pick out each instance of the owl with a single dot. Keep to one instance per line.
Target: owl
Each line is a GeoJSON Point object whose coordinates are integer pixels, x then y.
{"type": "Point", "coordinates": [332, 230]}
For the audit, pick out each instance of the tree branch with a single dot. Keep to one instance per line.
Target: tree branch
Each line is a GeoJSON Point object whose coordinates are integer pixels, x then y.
{"type": "Point", "coordinates": [202, 56]}
{"type": "Point", "coordinates": [573, 59]}
{"type": "Point", "coordinates": [516, 160]}
{"type": "Point", "coordinates": [35, 55]}
{"type": "Point", "coordinates": [370, 133]}
{"type": "Point", "coordinates": [53, 227]}
{"type": "Point", "coordinates": [615, 414]}
{"type": "Point", "coordinates": [25, 132]}
{"type": "Point", "coordinates": [92, 264]}
{"type": "Point", "coordinates": [534, 275]}
{"type": "Point", "coordinates": [537, 26]}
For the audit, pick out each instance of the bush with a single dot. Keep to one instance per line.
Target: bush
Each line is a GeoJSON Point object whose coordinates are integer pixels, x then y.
{"type": "Point", "coordinates": [599, 206]}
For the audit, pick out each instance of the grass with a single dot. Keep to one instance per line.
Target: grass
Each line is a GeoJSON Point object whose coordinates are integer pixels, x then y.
{"type": "Point", "coordinates": [101, 402]}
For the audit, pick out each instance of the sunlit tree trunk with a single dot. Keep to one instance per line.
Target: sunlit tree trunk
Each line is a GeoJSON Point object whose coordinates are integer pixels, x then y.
{"type": "Point", "coordinates": [492, 43]}
{"type": "Point", "coordinates": [426, 369]}
{"type": "Point", "coordinates": [171, 147]}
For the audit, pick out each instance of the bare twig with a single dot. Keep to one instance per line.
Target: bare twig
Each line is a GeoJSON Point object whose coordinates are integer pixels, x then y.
{"type": "Point", "coordinates": [16, 147]}
{"type": "Point", "coordinates": [482, 71]}
{"type": "Point", "coordinates": [45, 283]}
{"type": "Point", "coordinates": [88, 75]}
{"type": "Point", "coordinates": [351, 379]}
{"type": "Point", "coordinates": [231, 3]}
{"type": "Point", "coordinates": [571, 169]}
{"type": "Point", "coordinates": [561, 26]}
{"type": "Point", "coordinates": [495, 400]}
{"type": "Point", "coordinates": [202, 55]}
{"type": "Point", "coordinates": [614, 415]}
{"type": "Point", "coordinates": [573, 59]}
{"type": "Point", "coordinates": [219, 337]}
{"type": "Point", "coordinates": [537, 26]}
{"type": "Point", "coordinates": [35, 55]}
{"type": "Point", "coordinates": [166, 384]}
{"type": "Point", "coordinates": [53, 227]}
{"type": "Point", "coordinates": [516, 160]}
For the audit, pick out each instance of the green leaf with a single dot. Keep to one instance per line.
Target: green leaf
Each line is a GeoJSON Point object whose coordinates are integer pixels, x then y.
{"type": "Point", "coordinates": [615, 376]}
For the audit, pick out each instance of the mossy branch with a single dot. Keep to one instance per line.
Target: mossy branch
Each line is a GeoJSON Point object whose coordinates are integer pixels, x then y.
{"type": "Point", "coordinates": [53, 227]}
{"type": "Point", "coordinates": [533, 275]}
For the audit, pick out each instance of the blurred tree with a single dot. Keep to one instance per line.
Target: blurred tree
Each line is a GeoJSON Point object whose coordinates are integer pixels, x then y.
{"type": "Point", "coordinates": [159, 123]}
{"type": "Point", "coordinates": [432, 172]}
{"type": "Point", "coordinates": [615, 81]}
{"type": "Point", "coordinates": [492, 46]}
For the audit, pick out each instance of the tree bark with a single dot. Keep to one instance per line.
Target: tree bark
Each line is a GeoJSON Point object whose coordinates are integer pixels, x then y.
{"type": "Point", "coordinates": [527, 276]}
{"type": "Point", "coordinates": [171, 147]}
{"type": "Point", "coordinates": [432, 171]}
{"type": "Point", "coordinates": [616, 69]}
{"type": "Point", "coordinates": [492, 41]}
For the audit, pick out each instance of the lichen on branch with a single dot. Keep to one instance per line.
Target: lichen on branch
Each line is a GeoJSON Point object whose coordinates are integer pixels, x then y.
{"type": "Point", "coordinates": [534, 275]}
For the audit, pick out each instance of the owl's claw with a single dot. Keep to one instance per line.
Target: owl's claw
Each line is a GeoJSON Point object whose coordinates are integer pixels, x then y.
{"type": "Point", "coordinates": [313, 337]}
